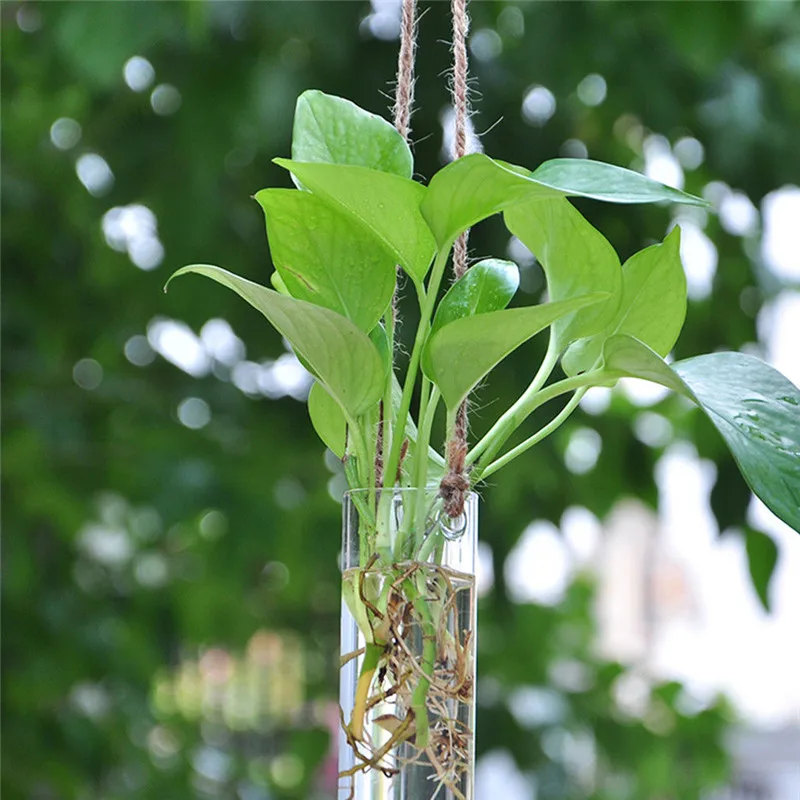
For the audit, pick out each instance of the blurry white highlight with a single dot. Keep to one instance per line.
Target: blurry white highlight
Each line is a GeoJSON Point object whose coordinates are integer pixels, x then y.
{"type": "Point", "coordinates": [592, 90]}
{"type": "Point", "coordinates": [94, 173]}
{"type": "Point", "coordinates": [65, 133]}
{"type": "Point", "coordinates": [538, 105]}
{"type": "Point", "coordinates": [780, 245]}
{"type": "Point", "coordinates": [583, 450]}
{"type": "Point", "coordinates": [659, 162]}
{"type": "Point", "coordinates": [138, 73]}
{"type": "Point", "coordinates": [133, 230]}
{"type": "Point", "coordinates": [539, 568]}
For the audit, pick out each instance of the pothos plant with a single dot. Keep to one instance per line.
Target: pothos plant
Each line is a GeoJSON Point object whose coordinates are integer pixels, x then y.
{"type": "Point", "coordinates": [336, 241]}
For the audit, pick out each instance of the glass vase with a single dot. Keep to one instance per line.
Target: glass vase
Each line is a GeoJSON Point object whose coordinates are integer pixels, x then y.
{"type": "Point", "coordinates": [407, 680]}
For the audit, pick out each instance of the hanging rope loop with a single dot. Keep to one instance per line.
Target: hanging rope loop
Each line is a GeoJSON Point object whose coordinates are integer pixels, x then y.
{"type": "Point", "coordinates": [455, 484]}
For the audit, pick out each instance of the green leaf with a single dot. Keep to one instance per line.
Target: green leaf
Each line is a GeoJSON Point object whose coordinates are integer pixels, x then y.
{"type": "Point", "coordinates": [385, 204]}
{"type": "Point", "coordinates": [576, 258]}
{"type": "Point", "coordinates": [473, 188]}
{"type": "Point", "coordinates": [278, 285]}
{"type": "Point", "coordinates": [486, 286]}
{"type": "Point", "coordinates": [582, 177]}
{"type": "Point", "coordinates": [380, 340]}
{"type": "Point", "coordinates": [333, 130]}
{"type": "Point", "coordinates": [762, 557]}
{"type": "Point", "coordinates": [652, 308]}
{"type": "Point", "coordinates": [465, 351]}
{"type": "Point", "coordinates": [325, 258]}
{"type": "Point", "coordinates": [754, 407]}
{"type": "Point", "coordinates": [757, 411]}
{"type": "Point", "coordinates": [339, 354]}
{"type": "Point", "coordinates": [626, 356]}
{"type": "Point", "coordinates": [328, 419]}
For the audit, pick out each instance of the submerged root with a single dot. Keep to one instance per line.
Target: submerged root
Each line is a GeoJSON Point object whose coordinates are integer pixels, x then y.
{"type": "Point", "coordinates": [420, 607]}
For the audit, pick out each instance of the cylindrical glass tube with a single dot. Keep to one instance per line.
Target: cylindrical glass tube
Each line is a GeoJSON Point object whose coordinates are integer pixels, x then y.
{"type": "Point", "coordinates": [407, 682]}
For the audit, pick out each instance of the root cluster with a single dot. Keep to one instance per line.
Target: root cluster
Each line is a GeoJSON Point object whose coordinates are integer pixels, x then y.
{"type": "Point", "coordinates": [420, 608]}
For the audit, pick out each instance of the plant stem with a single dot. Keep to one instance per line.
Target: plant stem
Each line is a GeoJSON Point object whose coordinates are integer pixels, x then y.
{"type": "Point", "coordinates": [388, 406]}
{"type": "Point", "coordinates": [419, 696]}
{"type": "Point", "coordinates": [355, 437]}
{"type": "Point", "coordinates": [507, 423]}
{"type": "Point", "coordinates": [427, 416]}
{"type": "Point", "coordinates": [537, 437]}
{"type": "Point", "coordinates": [520, 411]}
{"type": "Point", "coordinates": [368, 666]}
{"type": "Point", "coordinates": [426, 312]}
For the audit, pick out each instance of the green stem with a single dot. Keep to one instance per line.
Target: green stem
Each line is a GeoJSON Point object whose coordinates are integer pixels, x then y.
{"type": "Point", "coordinates": [521, 411]}
{"type": "Point", "coordinates": [419, 696]}
{"type": "Point", "coordinates": [420, 470]}
{"type": "Point", "coordinates": [426, 312]}
{"type": "Point", "coordinates": [507, 423]}
{"type": "Point", "coordinates": [388, 409]}
{"type": "Point", "coordinates": [428, 545]}
{"type": "Point", "coordinates": [358, 446]}
{"type": "Point", "coordinates": [368, 666]}
{"type": "Point", "coordinates": [427, 416]}
{"type": "Point", "coordinates": [537, 437]}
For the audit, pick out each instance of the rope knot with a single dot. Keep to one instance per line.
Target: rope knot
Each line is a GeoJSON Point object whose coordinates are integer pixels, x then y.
{"type": "Point", "coordinates": [454, 489]}
{"type": "Point", "coordinates": [454, 486]}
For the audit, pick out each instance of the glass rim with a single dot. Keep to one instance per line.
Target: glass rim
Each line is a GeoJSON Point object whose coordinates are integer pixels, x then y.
{"type": "Point", "coordinates": [434, 487]}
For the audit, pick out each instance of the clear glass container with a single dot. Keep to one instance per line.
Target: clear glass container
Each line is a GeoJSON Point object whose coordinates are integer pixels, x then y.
{"type": "Point", "coordinates": [407, 681]}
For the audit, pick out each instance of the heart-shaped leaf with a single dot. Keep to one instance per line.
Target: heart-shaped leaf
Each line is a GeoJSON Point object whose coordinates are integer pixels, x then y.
{"type": "Point", "coordinates": [652, 308]}
{"type": "Point", "coordinates": [575, 257]}
{"type": "Point", "coordinates": [333, 130]}
{"type": "Point", "coordinates": [474, 187]}
{"type": "Point", "coordinates": [582, 177]}
{"type": "Point", "coordinates": [753, 406]}
{"type": "Point", "coordinates": [387, 205]}
{"type": "Point", "coordinates": [465, 351]}
{"type": "Point", "coordinates": [486, 286]}
{"type": "Point", "coordinates": [328, 419]}
{"type": "Point", "coordinates": [757, 411]}
{"type": "Point", "coordinates": [471, 189]}
{"type": "Point", "coordinates": [339, 354]}
{"type": "Point", "coordinates": [326, 258]}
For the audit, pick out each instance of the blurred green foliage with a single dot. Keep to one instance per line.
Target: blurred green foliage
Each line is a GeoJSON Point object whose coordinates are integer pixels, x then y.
{"type": "Point", "coordinates": [229, 529]}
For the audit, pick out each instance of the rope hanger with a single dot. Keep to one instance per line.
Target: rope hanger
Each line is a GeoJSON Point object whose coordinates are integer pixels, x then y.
{"type": "Point", "coordinates": [455, 484]}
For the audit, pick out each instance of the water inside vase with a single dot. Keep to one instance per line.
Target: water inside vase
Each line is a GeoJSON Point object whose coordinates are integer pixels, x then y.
{"type": "Point", "coordinates": [423, 603]}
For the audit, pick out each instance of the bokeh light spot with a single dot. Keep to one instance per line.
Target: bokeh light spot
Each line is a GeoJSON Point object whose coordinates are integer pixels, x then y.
{"type": "Point", "coordinates": [583, 450]}
{"type": "Point", "coordinates": [538, 568]}
{"type": "Point", "coordinates": [689, 152]}
{"type": "Point", "coordinates": [65, 133]}
{"type": "Point", "coordinates": [194, 413]}
{"type": "Point", "coordinates": [165, 99]}
{"type": "Point", "coordinates": [592, 90]}
{"type": "Point", "coordinates": [87, 373]}
{"type": "Point", "coordinates": [538, 105]}
{"type": "Point", "coordinates": [138, 73]}
{"type": "Point", "coordinates": [138, 351]}
{"type": "Point", "coordinates": [29, 20]}
{"type": "Point", "coordinates": [95, 174]}
{"type": "Point", "coordinates": [486, 44]}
